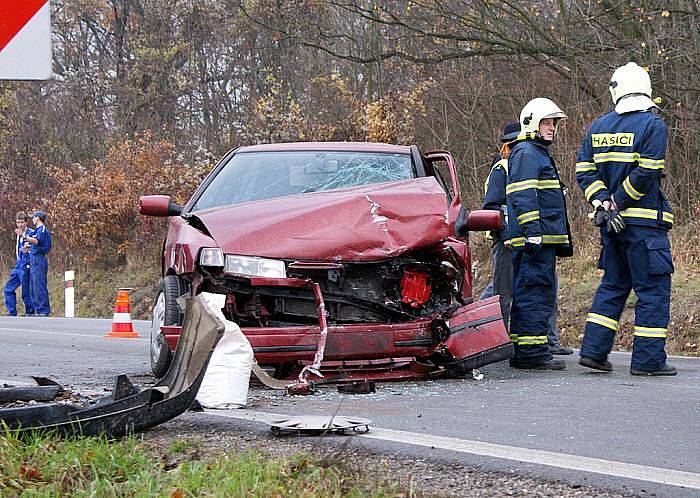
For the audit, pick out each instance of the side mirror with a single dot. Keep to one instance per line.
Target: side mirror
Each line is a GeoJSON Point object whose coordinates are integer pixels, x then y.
{"type": "Point", "coordinates": [158, 205]}
{"type": "Point", "coordinates": [477, 221]}
{"type": "Point", "coordinates": [481, 220]}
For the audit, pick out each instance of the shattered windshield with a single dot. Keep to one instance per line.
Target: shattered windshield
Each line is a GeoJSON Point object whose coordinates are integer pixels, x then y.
{"type": "Point", "coordinates": [253, 176]}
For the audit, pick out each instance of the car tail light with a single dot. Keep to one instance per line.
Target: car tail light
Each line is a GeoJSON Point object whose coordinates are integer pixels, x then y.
{"type": "Point", "coordinates": [415, 288]}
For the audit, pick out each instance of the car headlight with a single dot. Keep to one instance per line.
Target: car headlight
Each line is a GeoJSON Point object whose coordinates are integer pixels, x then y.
{"type": "Point", "coordinates": [211, 256]}
{"type": "Point", "coordinates": [254, 267]}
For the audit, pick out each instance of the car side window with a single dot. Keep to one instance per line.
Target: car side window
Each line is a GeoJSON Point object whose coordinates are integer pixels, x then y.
{"type": "Point", "coordinates": [439, 169]}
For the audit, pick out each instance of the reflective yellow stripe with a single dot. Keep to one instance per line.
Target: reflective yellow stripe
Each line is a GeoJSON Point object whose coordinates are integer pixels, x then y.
{"type": "Point", "coordinates": [542, 184]}
{"type": "Point", "coordinates": [656, 332]}
{"type": "Point", "coordinates": [513, 338]}
{"type": "Point", "coordinates": [546, 239]}
{"type": "Point", "coordinates": [585, 166]}
{"type": "Point", "coordinates": [523, 185]}
{"type": "Point", "coordinates": [555, 239]}
{"type": "Point", "coordinates": [602, 320]}
{"type": "Point", "coordinates": [503, 163]}
{"type": "Point", "coordinates": [621, 157]}
{"type": "Point", "coordinates": [628, 157]}
{"type": "Point", "coordinates": [649, 214]}
{"type": "Point", "coordinates": [593, 188]}
{"type": "Point", "coordinates": [529, 216]}
{"type": "Point", "coordinates": [525, 135]}
{"type": "Point", "coordinates": [651, 163]}
{"type": "Point", "coordinates": [526, 184]}
{"type": "Point", "coordinates": [531, 340]}
{"type": "Point", "coordinates": [631, 191]}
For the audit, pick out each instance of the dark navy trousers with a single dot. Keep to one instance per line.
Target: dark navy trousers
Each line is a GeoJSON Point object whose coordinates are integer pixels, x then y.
{"type": "Point", "coordinates": [38, 270]}
{"type": "Point", "coordinates": [534, 301]}
{"type": "Point", "coordinates": [637, 258]}
{"type": "Point", "coordinates": [18, 277]}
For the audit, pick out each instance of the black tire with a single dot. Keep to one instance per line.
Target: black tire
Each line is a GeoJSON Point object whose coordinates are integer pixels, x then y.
{"type": "Point", "coordinates": [173, 287]}
{"type": "Point", "coordinates": [165, 312]}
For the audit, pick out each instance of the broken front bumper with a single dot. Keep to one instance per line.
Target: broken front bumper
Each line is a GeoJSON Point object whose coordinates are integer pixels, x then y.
{"type": "Point", "coordinates": [471, 337]}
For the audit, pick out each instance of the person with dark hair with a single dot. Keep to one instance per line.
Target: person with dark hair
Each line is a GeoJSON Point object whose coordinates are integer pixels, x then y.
{"type": "Point", "coordinates": [495, 199]}
{"type": "Point", "coordinates": [40, 245]}
{"type": "Point", "coordinates": [19, 275]}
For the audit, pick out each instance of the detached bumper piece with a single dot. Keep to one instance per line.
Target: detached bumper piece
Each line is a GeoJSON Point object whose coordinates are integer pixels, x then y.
{"type": "Point", "coordinates": [45, 390]}
{"type": "Point", "coordinates": [128, 409]}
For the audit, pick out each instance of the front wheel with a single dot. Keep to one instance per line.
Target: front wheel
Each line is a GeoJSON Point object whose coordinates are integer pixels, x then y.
{"type": "Point", "coordinates": [166, 311]}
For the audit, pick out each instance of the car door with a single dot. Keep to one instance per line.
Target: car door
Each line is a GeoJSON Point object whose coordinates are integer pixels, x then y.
{"type": "Point", "coordinates": [441, 165]}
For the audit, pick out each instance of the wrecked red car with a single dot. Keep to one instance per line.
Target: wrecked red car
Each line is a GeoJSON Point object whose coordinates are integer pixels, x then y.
{"type": "Point", "coordinates": [337, 260]}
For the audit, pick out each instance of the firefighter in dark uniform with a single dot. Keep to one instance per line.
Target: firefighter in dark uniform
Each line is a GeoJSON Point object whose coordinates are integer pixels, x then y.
{"type": "Point", "coordinates": [538, 231]}
{"type": "Point", "coordinates": [619, 169]}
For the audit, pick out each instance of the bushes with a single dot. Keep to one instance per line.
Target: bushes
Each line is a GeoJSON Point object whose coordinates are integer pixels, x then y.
{"type": "Point", "coordinates": [96, 208]}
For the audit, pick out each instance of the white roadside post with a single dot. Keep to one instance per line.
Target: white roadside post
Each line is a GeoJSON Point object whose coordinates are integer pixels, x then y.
{"type": "Point", "coordinates": [70, 294]}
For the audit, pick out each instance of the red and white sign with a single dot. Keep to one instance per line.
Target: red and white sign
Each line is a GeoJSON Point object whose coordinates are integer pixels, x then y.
{"type": "Point", "coordinates": [25, 39]}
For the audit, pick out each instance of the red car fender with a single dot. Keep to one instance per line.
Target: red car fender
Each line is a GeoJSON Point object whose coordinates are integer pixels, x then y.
{"type": "Point", "coordinates": [181, 256]}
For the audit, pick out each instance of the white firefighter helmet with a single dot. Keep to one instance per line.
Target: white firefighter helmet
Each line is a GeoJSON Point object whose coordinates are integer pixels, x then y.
{"type": "Point", "coordinates": [535, 111]}
{"type": "Point", "coordinates": [630, 79]}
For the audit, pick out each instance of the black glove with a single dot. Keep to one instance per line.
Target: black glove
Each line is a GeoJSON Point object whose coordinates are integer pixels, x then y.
{"type": "Point", "coordinates": [461, 223]}
{"type": "Point", "coordinates": [610, 219]}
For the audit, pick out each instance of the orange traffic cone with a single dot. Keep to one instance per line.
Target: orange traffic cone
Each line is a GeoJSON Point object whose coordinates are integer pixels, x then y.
{"type": "Point", "coordinates": [121, 323]}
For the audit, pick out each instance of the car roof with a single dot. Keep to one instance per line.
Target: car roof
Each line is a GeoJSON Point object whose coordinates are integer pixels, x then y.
{"type": "Point", "coordinates": [328, 146]}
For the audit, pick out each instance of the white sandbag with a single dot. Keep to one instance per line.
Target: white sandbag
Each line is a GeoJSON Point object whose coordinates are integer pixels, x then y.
{"type": "Point", "coordinates": [225, 383]}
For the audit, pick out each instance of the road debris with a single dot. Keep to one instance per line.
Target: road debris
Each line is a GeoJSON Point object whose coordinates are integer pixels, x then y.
{"type": "Point", "coordinates": [45, 390]}
{"type": "Point", "coordinates": [358, 387]}
{"type": "Point", "coordinates": [129, 409]}
{"type": "Point", "coordinates": [319, 425]}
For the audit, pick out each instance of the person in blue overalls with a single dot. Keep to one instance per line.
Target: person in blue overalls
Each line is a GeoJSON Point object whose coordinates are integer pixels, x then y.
{"type": "Point", "coordinates": [538, 230]}
{"type": "Point", "coordinates": [40, 242]}
{"type": "Point", "coordinates": [501, 283]}
{"type": "Point", "coordinates": [619, 168]}
{"type": "Point", "coordinates": [19, 275]}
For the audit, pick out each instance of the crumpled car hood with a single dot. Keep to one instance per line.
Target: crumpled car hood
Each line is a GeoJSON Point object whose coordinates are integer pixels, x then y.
{"type": "Point", "coordinates": [365, 223]}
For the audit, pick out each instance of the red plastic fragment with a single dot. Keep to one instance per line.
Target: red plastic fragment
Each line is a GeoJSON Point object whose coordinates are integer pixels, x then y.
{"type": "Point", "coordinates": [415, 288]}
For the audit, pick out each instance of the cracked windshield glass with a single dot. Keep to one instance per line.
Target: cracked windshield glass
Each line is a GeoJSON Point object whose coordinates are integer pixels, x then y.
{"type": "Point", "coordinates": [254, 176]}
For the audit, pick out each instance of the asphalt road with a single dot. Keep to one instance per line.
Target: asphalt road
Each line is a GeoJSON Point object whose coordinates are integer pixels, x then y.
{"type": "Point", "coordinates": [613, 430]}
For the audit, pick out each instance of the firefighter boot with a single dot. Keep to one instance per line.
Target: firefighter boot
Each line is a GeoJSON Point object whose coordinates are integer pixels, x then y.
{"type": "Point", "coordinates": [553, 364]}
{"type": "Point", "coordinates": [665, 369]}
{"type": "Point", "coordinates": [587, 361]}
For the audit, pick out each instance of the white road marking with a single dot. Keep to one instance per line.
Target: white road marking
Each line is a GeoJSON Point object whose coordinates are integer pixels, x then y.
{"type": "Point", "coordinates": [68, 334]}
{"type": "Point", "coordinates": [540, 457]}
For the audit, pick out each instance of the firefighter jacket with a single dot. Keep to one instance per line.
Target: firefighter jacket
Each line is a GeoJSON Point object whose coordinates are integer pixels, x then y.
{"type": "Point", "coordinates": [535, 197]}
{"type": "Point", "coordinates": [623, 155]}
{"type": "Point", "coordinates": [495, 193]}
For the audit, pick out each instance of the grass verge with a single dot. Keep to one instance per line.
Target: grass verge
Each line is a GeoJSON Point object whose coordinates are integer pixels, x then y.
{"type": "Point", "coordinates": [40, 465]}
